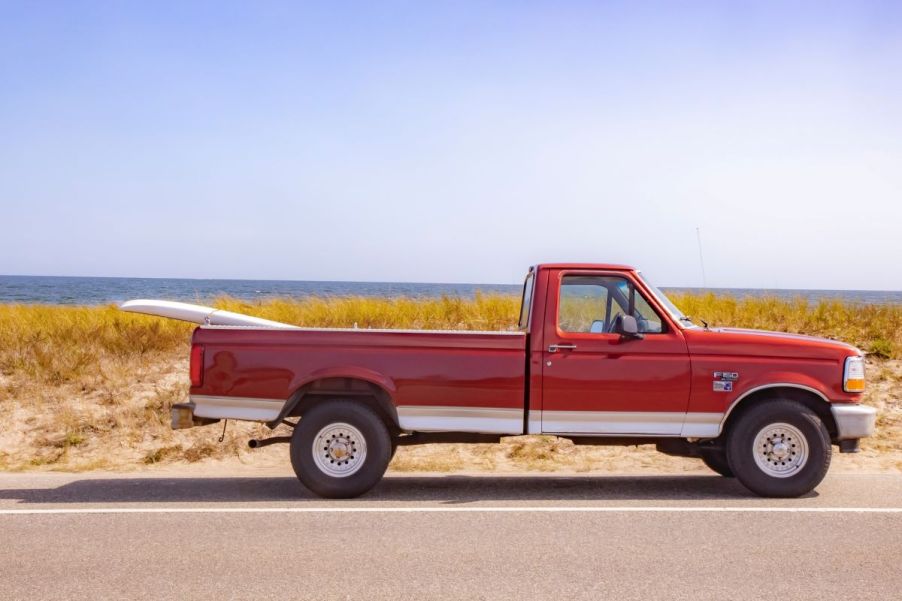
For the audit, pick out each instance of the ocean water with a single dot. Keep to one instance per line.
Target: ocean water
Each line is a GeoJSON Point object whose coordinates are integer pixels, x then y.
{"type": "Point", "coordinates": [97, 291]}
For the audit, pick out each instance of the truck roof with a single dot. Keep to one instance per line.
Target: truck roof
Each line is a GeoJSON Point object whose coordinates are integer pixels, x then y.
{"type": "Point", "coordinates": [611, 266]}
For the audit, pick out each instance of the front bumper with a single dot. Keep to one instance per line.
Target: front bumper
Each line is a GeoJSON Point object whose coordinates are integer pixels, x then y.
{"type": "Point", "coordinates": [853, 421]}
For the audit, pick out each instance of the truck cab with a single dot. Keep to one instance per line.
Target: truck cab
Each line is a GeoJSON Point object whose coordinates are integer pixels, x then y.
{"type": "Point", "coordinates": [611, 359]}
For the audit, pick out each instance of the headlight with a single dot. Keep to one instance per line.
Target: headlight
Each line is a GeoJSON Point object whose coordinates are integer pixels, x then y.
{"type": "Point", "coordinates": [853, 375]}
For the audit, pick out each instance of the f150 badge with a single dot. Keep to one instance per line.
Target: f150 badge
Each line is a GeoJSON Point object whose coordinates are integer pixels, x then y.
{"type": "Point", "coordinates": [723, 380]}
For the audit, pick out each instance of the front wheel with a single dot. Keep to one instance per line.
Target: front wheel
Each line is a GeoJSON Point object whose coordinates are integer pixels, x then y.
{"type": "Point", "coordinates": [779, 448]}
{"type": "Point", "coordinates": [340, 449]}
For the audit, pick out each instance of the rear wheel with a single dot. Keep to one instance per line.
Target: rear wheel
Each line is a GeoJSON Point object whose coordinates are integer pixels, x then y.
{"type": "Point", "coordinates": [340, 449]}
{"type": "Point", "coordinates": [717, 461]}
{"type": "Point", "coordinates": [779, 448]}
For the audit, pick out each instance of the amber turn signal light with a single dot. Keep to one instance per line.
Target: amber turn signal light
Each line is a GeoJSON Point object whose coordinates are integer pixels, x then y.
{"type": "Point", "coordinates": [853, 375]}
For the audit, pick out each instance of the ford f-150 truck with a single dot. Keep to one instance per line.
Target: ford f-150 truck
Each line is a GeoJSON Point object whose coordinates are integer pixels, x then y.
{"type": "Point", "coordinates": [600, 356]}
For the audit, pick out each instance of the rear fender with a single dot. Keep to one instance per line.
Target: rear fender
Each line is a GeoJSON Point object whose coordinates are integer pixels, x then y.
{"type": "Point", "coordinates": [343, 382]}
{"type": "Point", "coordinates": [350, 372]}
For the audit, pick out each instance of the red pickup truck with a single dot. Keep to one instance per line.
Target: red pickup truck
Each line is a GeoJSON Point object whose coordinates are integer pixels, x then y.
{"type": "Point", "coordinates": [600, 356]}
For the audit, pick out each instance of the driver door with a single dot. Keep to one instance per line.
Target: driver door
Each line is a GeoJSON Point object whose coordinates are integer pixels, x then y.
{"type": "Point", "coordinates": [597, 382]}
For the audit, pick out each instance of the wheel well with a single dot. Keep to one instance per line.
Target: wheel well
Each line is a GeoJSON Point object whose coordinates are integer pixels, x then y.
{"type": "Point", "coordinates": [353, 389]}
{"type": "Point", "coordinates": [800, 395]}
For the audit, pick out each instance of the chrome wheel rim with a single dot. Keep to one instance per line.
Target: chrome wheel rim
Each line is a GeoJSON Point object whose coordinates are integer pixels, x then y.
{"type": "Point", "coordinates": [780, 450]}
{"type": "Point", "coordinates": [339, 450]}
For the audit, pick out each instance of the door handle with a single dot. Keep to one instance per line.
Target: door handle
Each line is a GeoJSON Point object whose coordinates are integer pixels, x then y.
{"type": "Point", "coordinates": [553, 348]}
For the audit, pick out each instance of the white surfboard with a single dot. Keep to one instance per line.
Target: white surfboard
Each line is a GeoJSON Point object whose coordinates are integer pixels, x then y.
{"type": "Point", "coordinates": [197, 314]}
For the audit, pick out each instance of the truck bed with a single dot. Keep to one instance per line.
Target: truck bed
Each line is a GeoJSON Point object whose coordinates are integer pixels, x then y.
{"type": "Point", "coordinates": [462, 381]}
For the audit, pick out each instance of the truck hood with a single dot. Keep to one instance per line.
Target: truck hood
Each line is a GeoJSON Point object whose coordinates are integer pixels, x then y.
{"type": "Point", "coordinates": [746, 342]}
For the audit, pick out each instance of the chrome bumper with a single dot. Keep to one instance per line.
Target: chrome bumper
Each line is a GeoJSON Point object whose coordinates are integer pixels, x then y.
{"type": "Point", "coordinates": [853, 421]}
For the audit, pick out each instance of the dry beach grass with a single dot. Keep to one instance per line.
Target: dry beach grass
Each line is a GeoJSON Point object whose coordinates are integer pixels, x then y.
{"type": "Point", "coordinates": [90, 387]}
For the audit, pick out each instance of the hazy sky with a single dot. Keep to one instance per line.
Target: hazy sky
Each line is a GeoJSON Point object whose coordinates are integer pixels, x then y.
{"type": "Point", "coordinates": [421, 141]}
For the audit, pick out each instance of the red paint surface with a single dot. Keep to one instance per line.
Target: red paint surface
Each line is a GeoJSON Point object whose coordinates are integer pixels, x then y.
{"type": "Point", "coordinates": [415, 368]}
{"type": "Point", "coordinates": [763, 358]}
{"type": "Point", "coordinates": [606, 372]}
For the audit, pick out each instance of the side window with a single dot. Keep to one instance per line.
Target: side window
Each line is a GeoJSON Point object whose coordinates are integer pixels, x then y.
{"type": "Point", "coordinates": [583, 304]}
{"type": "Point", "coordinates": [590, 304]}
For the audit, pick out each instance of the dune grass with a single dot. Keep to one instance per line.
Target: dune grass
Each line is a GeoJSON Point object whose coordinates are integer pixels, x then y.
{"type": "Point", "coordinates": [58, 344]}
{"type": "Point", "coordinates": [876, 329]}
{"type": "Point", "coordinates": [88, 387]}
{"type": "Point", "coordinates": [484, 312]}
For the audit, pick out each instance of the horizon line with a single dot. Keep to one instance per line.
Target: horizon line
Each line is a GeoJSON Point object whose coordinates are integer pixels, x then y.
{"type": "Point", "coordinates": [670, 287]}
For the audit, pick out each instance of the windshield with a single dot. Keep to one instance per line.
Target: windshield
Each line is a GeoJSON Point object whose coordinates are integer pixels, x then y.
{"type": "Point", "coordinates": [665, 302]}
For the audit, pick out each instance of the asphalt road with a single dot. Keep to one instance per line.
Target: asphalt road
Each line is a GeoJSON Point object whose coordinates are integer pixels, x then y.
{"type": "Point", "coordinates": [455, 537]}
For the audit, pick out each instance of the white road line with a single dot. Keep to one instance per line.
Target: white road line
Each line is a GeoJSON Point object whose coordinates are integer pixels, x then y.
{"type": "Point", "coordinates": [439, 509]}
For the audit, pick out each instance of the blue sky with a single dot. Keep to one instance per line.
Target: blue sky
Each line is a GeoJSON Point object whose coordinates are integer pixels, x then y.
{"type": "Point", "coordinates": [453, 142]}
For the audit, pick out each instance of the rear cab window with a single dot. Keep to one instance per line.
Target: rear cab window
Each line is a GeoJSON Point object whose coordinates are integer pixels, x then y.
{"type": "Point", "coordinates": [526, 301]}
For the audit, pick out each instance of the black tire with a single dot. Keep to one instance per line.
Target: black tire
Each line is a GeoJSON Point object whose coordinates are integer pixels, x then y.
{"type": "Point", "coordinates": [372, 430]}
{"type": "Point", "coordinates": [717, 461]}
{"type": "Point", "coordinates": [742, 449]}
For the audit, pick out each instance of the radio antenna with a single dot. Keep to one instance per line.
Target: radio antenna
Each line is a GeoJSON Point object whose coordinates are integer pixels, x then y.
{"type": "Point", "coordinates": [701, 257]}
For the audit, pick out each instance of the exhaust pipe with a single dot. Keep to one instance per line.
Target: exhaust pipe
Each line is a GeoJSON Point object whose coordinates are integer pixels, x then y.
{"type": "Point", "coordinates": [256, 444]}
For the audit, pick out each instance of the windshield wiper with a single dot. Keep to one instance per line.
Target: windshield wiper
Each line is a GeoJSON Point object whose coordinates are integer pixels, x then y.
{"type": "Point", "coordinates": [687, 319]}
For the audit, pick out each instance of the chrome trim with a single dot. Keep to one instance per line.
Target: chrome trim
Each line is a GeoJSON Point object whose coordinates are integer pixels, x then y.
{"type": "Point", "coordinates": [493, 420]}
{"type": "Point", "coordinates": [553, 348]}
{"type": "Point", "coordinates": [339, 450]}
{"type": "Point", "coordinates": [244, 408]}
{"type": "Point", "coordinates": [780, 450]}
{"type": "Point", "coordinates": [853, 421]}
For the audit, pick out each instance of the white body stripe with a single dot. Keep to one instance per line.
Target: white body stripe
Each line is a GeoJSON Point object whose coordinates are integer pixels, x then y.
{"type": "Point", "coordinates": [419, 418]}
{"type": "Point", "coordinates": [227, 407]}
{"type": "Point", "coordinates": [534, 425]}
{"type": "Point", "coordinates": [510, 421]}
{"type": "Point", "coordinates": [613, 422]}
{"type": "Point", "coordinates": [493, 420]}
{"type": "Point", "coordinates": [424, 418]}
{"type": "Point", "coordinates": [702, 425]}
{"type": "Point", "coordinates": [644, 423]}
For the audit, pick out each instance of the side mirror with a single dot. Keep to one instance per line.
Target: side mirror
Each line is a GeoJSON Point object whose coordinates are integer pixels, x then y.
{"type": "Point", "coordinates": [626, 326]}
